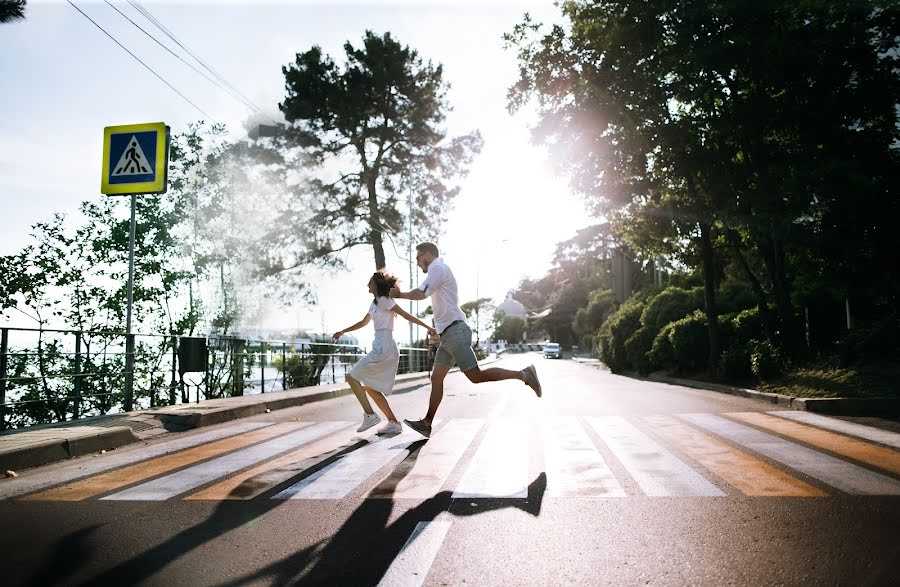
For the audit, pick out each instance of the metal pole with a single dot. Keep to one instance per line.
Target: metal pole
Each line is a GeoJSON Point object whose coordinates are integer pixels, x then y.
{"type": "Point", "coordinates": [76, 412]}
{"type": "Point", "coordinates": [4, 347]}
{"type": "Point", "coordinates": [283, 366]}
{"type": "Point", "coordinates": [262, 368]}
{"type": "Point", "coordinates": [410, 268]}
{"type": "Point", "coordinates": [129, 337]}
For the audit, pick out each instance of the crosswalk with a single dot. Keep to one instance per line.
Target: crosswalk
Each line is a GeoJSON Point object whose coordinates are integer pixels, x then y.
{"type": "Point", "coordinates": [774, 454]}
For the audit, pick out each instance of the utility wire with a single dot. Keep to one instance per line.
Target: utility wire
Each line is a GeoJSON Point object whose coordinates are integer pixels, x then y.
{"type": "Point", "coordinates": [150, 69]}
{"type": "Point", "coordinates": [137, 6]}
{"type": "Point", "coordinates": [177, 56]}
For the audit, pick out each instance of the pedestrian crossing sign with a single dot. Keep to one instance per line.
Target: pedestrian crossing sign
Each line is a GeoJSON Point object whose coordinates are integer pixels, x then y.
{"type": "Point", "coordinates": [135, 159]}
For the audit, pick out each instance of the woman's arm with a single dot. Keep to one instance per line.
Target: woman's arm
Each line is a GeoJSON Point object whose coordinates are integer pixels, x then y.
{"type": "Point", "coordinates": [356, 326]}
{"type": "Point", "coordinates": [398, 310]}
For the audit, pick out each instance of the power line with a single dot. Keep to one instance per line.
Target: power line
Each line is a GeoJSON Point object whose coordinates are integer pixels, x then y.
{"type": "Point", "coordinates": [146, 13]}
{"type": "Point", "coordinates": [150, 69]}
{"type": "Point", "coordinates": [177, 56]}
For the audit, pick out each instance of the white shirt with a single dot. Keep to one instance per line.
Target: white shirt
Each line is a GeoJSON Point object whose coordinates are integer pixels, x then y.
{"type": "Point", "coordinates": [381, 313]}
{"type": "Point", "coordinates": [440, 285]}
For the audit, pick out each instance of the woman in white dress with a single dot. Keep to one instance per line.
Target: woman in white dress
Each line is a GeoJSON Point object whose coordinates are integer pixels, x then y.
{"type": "Point", "coordinates": [374, 374]}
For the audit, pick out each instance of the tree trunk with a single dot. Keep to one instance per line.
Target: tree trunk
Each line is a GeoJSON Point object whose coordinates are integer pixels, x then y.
{"type": "Point", "coordinates": [765, 316]}
{"type": "Point", "coordinates": [375, 224]}
{"type": "Point", "coordinates": [709, 296]}
{"type": "Point", "coordinates": [773, 256]}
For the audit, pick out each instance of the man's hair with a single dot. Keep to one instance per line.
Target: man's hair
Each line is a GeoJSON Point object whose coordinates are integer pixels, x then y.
{"type": "Point", "coordinates": [428, 248]}
{"type": "Point", "coordinates": [384, 281]}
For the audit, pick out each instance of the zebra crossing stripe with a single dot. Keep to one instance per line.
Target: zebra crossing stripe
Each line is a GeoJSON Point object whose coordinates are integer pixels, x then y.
{"type": "Point", "coordinates": [341, 477]}
{"type": "Point", "coordinates": [500, 466]}
{"type": "Point", "coordinates": [573, 465]}
{"type": "Point", "coordinates": [835, 472]}
{"type": "Point", "coordinates": [87, 467]}
{"type": "Point", "coordinates": [424, 476]}
{"type": "Point", "coordinates": [877, 456]}
{"type": "Point", "coordinates": [657, 471]}
{"type": "Point", "coordinates": [844, 427]}
{"type": "Point", "coordinates": [138, 472]}
{"type": "Point", "coordinates": [252, 482]}
{"type": "Point", "coordinates": [411, 566]}
{"type": "Point", "coordinates": [184, 480]}
{"type": "Point", "coordinates": [748, 474]}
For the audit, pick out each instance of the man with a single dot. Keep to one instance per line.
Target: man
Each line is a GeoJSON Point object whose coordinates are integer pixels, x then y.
{"type": "Point", "coordinates": [456, 337]}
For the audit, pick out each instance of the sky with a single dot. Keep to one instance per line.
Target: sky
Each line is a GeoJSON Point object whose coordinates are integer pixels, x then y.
{"type": "Point", "coordinates": [64, 80]}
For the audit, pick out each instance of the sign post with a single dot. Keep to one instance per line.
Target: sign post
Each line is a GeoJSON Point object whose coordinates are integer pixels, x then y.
{"type": "Point", "coordinates": [135, 161]}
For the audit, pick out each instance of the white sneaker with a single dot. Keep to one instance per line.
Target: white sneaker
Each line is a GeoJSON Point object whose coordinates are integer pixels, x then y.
{"type": "Point", "coordinates": [390, 428]}
{"type": "Point", "coordinates": [369, 420]}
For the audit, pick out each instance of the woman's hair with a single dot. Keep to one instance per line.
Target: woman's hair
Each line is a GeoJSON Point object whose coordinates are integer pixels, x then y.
{"type": "Point", "coordinates": [384, 281]}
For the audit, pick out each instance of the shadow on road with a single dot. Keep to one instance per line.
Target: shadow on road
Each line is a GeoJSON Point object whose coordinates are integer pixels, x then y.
{"type": "Point", "coordinates": [360, 552]}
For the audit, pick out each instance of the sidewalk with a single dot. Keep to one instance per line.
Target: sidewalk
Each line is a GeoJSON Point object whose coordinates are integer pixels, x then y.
{"type": "Point", "coordinates": [48, 443]}
{"type": "Point", "coordinates": [832, 406]}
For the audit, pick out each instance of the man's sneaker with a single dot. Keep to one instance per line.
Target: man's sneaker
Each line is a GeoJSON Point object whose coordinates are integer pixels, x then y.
{"type": "Point", "coordinates": [390, 428]}
{"type": "Point", "coordinates": [369, 420]}
{"type": "Point", "coordinates": [420, 426]}
{"type": "Point", "coordinates": [531, 379]}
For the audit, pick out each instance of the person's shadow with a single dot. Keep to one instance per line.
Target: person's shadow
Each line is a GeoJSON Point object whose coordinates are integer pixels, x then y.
{"type": "Point", "coordinates": [360, 552]}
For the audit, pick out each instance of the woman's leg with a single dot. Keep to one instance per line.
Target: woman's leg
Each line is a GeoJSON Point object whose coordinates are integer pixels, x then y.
{"type": "Point", "coordinates": [382, 403]}
{"type": "Point", "coordinates": [357, 388]}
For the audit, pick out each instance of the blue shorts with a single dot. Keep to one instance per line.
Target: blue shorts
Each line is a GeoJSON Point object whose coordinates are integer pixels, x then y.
{"type": "Point", "coordinates": [456, 348]}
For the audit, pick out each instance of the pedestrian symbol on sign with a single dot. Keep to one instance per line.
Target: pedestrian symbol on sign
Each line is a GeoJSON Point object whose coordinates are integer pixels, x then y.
{"type": "Point", "coordinates": [133, 161]}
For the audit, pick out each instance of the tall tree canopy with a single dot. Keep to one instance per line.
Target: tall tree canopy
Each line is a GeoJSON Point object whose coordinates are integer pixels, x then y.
{"type": "Point", "coordinates": [749, 123]}
{"type": "Point", "coordinates": [372, 131]}
{"type": "Point", "coordinates": [11, 10]}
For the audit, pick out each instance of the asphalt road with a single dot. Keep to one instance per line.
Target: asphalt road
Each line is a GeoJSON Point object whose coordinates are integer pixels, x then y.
{"type": "Point", "coordinates": [605, 480]}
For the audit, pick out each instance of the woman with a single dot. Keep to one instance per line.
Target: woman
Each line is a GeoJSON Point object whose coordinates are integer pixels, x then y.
{"type": "Point", "coordinates": [374, 374]}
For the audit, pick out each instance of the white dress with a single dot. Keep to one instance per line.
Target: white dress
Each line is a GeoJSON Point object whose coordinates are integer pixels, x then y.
{"type": "Point", "coordinates": [378, 369]}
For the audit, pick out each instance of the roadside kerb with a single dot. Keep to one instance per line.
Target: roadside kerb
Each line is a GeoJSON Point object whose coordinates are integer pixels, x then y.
{"type": "Point", "coordinates": [41, 445]}
{"type": "Point", "coordinates": [832, 406]}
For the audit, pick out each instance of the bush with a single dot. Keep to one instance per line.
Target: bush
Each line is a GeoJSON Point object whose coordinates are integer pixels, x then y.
{"type": "Point", "coordinates": [637, 349]}
{"type": "Point", "coordinates": [765, 360]}
{"type": "Point", "coordinates": [690, 342]}
{"type": "Point", "coordinates": [669, 305]}
{"type": "Point", "coordinates": [734, 362]}
{"type": "Point", "coordinates": [662, 356]}
{"type": "Point", "coordinates": [746, 326]}
{"type": "Point", "coordinates": [616, 330]}
{"type": "Point", "coordinates": [734, 296]}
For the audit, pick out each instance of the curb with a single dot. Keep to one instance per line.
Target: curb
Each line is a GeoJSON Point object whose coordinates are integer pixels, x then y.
{"type": "Point", "coordinates": [834, 406]}
{"type": "Point", "coordinates": [52, 443]}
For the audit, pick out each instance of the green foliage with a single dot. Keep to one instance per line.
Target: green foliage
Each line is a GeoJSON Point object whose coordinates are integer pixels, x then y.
{"type": "Point", "coordinates": [638, 347]}
{"type": "Point", "coordinates": [690, 343]}
{"type": "Point", "coordinates": [669, 305]}
{"type": "Point", "coordinates": [303, 367]}
{"type": "Point", "coordinates": [508, 328]}
{"type": "Point", "coordinates": [734, 362]}
{"type": "Point", "coordinates": [734, 296]}
{"type": "Point", "coordinates": [624, 322]}
{"type": "Point", "coordinates": [372, 133]}
{"type": "Point", "coordinates": [766, 361]}
{"type": "Point", "coordinates": [589, 319]}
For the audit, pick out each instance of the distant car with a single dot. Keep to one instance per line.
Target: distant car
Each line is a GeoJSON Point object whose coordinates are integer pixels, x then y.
{"type": "Point", "coordinates": [552, 351]}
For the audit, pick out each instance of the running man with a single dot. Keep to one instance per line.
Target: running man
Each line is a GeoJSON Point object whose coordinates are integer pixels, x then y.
{"type": "Point", "coordinates": [456, 336]}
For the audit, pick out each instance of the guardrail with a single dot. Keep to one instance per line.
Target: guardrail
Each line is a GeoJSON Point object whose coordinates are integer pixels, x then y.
{"type": "Point", "coordinates": [52, 375]}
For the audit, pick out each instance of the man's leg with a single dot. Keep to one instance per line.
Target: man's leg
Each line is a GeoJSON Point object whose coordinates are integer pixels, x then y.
{"type": "Point", "coordinates": [477, 375]}
{"type": "Point", "coordinates": [438, 373]}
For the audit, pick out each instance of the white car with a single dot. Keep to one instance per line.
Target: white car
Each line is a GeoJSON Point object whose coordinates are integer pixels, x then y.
{"type": "Point", "coordinates": [552, 351]}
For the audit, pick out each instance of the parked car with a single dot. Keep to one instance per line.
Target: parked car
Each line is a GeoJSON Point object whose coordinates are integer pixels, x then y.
{"type": "Point", "coordinates": [552, 351]}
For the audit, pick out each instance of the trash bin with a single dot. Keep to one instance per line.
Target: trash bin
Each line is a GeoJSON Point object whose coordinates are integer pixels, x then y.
{"type": "Point", "coordinates": [193, 354]}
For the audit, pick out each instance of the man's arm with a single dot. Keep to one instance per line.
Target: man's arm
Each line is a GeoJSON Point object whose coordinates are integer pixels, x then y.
{"type": "Point", "coordinates": [413, 294]}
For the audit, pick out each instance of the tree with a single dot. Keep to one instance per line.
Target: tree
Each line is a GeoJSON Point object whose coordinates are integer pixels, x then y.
{"type": "Point", "coordinates": [371, 130]}
{"type": "Point", "coordinates": [478, 309]}
{"type": "Point", "coordinates": [11, 10]}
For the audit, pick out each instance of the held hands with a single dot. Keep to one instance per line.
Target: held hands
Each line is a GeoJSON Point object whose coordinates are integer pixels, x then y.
{"type": "Point", "coordinates": [337, 334]}
{"type": "Point", "coordinates": [431, 331]}
{"type": "Point", "coordinates": [395, 292]}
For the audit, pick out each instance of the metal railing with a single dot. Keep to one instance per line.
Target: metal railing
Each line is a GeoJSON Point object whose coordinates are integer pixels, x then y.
{"type": "Point", "coordinates": [52, 375]}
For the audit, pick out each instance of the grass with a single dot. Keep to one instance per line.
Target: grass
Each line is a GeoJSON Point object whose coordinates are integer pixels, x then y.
{"type": "Point", "coordinates": [826, 380]}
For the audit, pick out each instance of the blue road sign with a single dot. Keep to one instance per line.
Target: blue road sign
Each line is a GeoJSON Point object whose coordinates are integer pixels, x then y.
{"type": "Point", "coordinates": [135, 159]}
